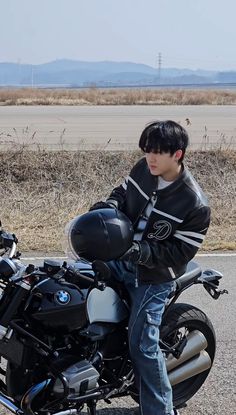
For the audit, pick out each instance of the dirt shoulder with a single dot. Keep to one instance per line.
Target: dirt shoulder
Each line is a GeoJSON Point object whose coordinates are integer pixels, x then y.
{"type": "Point", "coordinates": [117, 96]}
{"type": "Point", "coordinates": [41, 191]}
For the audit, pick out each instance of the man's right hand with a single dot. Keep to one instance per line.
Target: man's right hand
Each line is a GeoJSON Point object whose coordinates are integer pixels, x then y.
{"type": "Point", "coordinates": [101, 205]}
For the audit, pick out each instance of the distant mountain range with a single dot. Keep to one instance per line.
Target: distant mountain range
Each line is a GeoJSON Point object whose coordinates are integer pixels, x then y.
{"type": "Point", "coordinates": [69, 73]}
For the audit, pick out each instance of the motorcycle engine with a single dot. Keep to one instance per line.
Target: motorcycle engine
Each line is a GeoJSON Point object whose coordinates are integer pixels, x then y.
{"type": "Point", "coordinates": [81, 377]}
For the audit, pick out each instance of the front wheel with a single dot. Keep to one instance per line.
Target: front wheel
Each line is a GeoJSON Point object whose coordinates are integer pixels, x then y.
{"type": "Point", "coordinates": [180, 320]}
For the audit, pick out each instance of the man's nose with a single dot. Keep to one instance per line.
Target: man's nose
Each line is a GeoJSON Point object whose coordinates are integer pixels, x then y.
{"type": "Point", "coordinates": [151, 157]}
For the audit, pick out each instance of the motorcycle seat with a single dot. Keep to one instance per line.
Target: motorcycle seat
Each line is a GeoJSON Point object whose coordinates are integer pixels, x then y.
{"type": "Point", "coordinates": [192, 273]}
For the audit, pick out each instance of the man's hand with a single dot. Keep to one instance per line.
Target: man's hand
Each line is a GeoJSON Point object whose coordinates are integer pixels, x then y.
{"type": "Point", "coordinates": [100, 205]}
{"type": "Point", "coordinates": [138, 253]}
{"type": "Point", "coordinates": [133, 254]}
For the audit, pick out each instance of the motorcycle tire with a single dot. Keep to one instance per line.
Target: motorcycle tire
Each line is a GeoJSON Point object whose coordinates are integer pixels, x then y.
{"type": "Point", "coordinates": [186, 318]}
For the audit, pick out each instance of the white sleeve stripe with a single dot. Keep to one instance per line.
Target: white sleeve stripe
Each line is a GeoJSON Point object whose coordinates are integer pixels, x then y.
{"type": "Point", "coordinates": [160, 212]}
{"type": "Point", "coordinates": [193, 234]}
{"type": "Point", "coordinates": [154, 210]}
{"type": "Point", "coordinates": [189, 241]}
{"type": "Point", "coordinates": [138, 188]}
{"type": "Point", "coordinates": [172, 272]}
{"type": "Point", "coordinates": [125, 182]}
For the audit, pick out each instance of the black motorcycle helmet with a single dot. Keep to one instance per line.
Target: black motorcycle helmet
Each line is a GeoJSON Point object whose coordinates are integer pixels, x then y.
{"type": "Point", "coordinates": [103, 234]}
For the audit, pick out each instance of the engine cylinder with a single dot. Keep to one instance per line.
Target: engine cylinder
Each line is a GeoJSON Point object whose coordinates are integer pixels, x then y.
{"type": "Point", "coordinates": [81, 377]}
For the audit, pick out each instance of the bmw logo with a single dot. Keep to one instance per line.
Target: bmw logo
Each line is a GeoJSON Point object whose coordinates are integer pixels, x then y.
{"type": "Point", "coordinates": [62, 297]}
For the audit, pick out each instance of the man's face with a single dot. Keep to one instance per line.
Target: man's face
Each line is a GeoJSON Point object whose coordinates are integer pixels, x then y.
{"type": "Point", "coordinates": [164, 164]}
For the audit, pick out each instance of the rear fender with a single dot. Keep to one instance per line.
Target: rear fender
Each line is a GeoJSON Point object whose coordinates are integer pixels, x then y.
{"type": "Point", "coordinates": [210, 278]}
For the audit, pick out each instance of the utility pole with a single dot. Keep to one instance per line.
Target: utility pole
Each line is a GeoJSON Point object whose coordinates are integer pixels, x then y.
{"type": "Point", "coordinates": [32, 76]}
{"type": "Point", "coordinates": [159, 67]}
{"type": "Point", "coordinates": [19, 70]}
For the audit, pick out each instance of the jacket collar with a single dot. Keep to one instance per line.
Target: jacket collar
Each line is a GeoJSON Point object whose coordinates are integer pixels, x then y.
{"type": "Point", "coordinates": [185, 174]}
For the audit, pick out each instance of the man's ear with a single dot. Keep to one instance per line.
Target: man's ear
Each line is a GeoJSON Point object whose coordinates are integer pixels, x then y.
{"type": "Point", "coordinates": [178, 154]}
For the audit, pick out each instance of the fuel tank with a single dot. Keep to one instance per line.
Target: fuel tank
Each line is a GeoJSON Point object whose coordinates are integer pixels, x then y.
{"type": "Point", "coordinates": [58, 305]}
{"type": "Point", "coordinates": [106, 306]}
{"type": "Point", "coordinates": [102, 305]}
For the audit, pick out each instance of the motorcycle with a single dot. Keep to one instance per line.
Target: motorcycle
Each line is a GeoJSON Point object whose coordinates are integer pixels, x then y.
{"type": "Point", "coordinates": [63, 335]}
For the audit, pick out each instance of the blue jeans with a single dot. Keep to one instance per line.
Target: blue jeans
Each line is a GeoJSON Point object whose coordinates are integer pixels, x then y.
{"type": "Point", "coordinates": [147, 307]}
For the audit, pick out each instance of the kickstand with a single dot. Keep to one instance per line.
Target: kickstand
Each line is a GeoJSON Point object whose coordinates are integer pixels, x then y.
{"type": "Point", "coordinates": [92, 408]}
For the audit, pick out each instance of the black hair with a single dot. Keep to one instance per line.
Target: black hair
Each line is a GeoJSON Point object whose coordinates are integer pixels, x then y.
{"type": "Point", "coordinates": [164, 137]}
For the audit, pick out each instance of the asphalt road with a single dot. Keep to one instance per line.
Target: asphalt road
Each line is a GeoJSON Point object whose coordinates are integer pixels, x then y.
{"type": "Point", "coordinates": [217, 395]}
{"type": "Point", "coordinates": [112, 127]}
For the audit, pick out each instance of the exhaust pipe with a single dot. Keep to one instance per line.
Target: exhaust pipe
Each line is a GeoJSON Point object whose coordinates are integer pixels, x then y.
{"type": "Point", "coordinates": [196, 342]}
{"type": "Point", "coordinates": [5, 401]}
{"type": "Point", "coordinates": [68, 412]}
{"type": "Point", "coordinates": [193, 367]}
{"type": "Point", "coordinates": [31, 394]}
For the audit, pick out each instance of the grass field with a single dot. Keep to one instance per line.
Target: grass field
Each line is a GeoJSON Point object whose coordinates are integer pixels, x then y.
{"type": "Point", "coordinates": [116, 96]}
{"type": "Point", "coordinates": [41, 191]}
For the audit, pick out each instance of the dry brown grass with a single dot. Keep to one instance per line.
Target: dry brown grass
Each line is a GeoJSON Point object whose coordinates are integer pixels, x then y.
{"type": "Point", "coordinates": [41, 191]}
{"type": "Point", "coordinates": [98, 96]}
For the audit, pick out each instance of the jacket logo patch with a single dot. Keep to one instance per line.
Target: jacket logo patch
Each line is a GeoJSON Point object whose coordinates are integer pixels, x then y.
{"type": "Point", "coordinates": [162, 230]}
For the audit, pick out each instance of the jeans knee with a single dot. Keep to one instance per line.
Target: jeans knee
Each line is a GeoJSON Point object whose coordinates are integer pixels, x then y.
{"type": "Point", "coordinates": [149, 341]}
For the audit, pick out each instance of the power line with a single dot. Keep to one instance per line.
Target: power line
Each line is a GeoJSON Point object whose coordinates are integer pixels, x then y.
{"type": "Point", "coordinates": [189, 60]}
{"type": "Point", "coordinates": [159, 66]}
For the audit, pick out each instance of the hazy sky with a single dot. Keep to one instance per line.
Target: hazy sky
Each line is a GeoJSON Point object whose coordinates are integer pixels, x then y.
{"type": "Point", "coordinates": [188, 33]}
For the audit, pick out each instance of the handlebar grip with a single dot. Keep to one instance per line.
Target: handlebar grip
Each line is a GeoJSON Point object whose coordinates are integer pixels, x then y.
{"type": "Point", "coordinates": [84, 277]}
{"type": "Point", "coordinates": [76, 277]}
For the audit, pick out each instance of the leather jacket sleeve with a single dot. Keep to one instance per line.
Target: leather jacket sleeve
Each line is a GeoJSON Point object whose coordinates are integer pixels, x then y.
{"type": "Point", "coordinates": [181, 247]}
{"type": "Point", "coordinates": [118, 196]}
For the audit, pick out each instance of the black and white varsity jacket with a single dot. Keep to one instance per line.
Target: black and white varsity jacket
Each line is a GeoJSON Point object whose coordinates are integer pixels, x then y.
{"type": "Point", "coordinates": [176, 226]}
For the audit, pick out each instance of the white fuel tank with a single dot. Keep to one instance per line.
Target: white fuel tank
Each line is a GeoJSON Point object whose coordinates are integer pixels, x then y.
{"type": "Point", "coordinates": [105, 306]}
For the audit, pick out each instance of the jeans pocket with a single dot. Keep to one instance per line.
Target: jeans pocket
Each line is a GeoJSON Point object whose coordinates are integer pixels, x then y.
{"type": "Point", "coordinates": [149, 342]}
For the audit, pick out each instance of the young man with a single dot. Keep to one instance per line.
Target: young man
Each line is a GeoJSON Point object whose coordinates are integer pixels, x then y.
{"type": "Point", "coordinates": [170, 215]}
